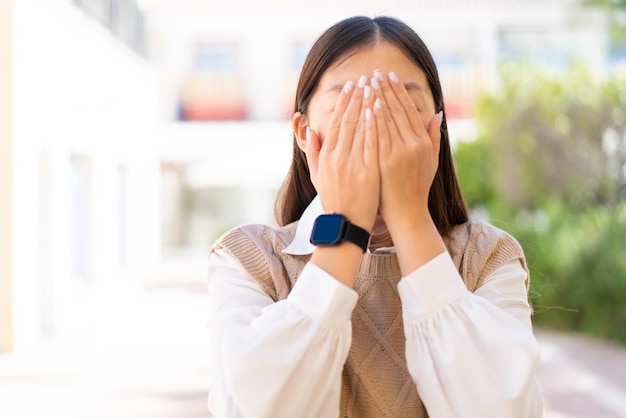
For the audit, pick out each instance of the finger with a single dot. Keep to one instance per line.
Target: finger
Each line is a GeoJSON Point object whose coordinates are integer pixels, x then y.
{"type": "Point", "coordinates": [312, 151]}
{"type": "Point", "coordinates": [368, 97]}
{"type": "Point", "coordinates": [370, 147]}
{"type": "Point", "coordinates": [395, 108]}
{"type": "Point", "coordinates": [360, 137]}
{"type": "Point", "coordinates": [434, 132]}
{"type": "Point", "coordinates": [332, 135]}
{"type": "Point", "coordinates": [384, 138]}
{"type": "Point", "coordinates": [410, 110]}
{"type": "Point", "coordinates": [390, 127]}
{"type": "Point", "coordinates": [350, 119]}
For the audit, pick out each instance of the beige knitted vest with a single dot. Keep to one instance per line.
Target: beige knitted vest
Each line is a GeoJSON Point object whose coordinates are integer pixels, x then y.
{"type": "Point", "coordinates": [376, 382]}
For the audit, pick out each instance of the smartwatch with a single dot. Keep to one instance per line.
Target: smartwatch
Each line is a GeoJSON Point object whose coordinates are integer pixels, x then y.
{"type": "Point", "coordinates": [334, 228]}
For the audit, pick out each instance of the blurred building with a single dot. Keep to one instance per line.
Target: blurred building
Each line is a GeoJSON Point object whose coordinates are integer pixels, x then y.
{"type": "Point", "coordinates": [80, 195]}
{"type": "Point", "coordinates": [240, 60]}
{"type": "Point", "coordinates": [136, 131]}
{"type": "Point", "coordinates": [246, 55]}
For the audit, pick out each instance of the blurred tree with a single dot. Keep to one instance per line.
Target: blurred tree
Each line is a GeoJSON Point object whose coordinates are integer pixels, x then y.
{"type": "Point", "coordinates": [549, 166]}
{"type": "Point", "coordinates": [474, 162]}
{"type": "Point", "coordinates": [550, 137]}
{"type": "Point", "coordinates": [616, 10]}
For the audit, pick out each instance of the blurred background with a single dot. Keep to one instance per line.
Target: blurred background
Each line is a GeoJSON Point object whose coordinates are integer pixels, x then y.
{"type": "Point", "coordinates": [133, 133]}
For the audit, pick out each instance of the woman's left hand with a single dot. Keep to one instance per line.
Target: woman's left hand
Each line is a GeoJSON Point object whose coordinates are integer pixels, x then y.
{"type": "Point", "coordinates": [408, 151]}
{"type": "Point", "coordinates": [408, 155]}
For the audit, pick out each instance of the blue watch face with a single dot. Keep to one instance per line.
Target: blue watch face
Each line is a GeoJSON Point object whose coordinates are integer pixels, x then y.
{"type": "Point", "coordinates": [328, 229]}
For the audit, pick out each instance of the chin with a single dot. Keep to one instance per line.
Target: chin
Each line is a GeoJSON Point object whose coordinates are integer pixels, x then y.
{"type": "Point", "coordinates": [379, 226]}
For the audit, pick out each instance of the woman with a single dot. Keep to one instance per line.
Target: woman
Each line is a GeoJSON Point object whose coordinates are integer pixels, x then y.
{"type": "Point", "coordinates": [376, 297]}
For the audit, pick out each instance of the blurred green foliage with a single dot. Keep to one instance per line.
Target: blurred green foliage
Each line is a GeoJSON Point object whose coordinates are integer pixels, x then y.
{"type": "Point", "coordinates": [549, 167]}
{"type": "Point", "coordinates": [616, 10]}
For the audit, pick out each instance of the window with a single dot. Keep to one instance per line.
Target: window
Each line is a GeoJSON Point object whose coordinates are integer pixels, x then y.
{"type": "Point", "coordinates": [215, 87]}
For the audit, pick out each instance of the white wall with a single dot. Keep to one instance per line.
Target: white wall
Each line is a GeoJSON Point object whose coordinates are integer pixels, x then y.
{"type": "Point", "coordinates": [79, 95]}
{"type": "Point", "coordinates": [249, 159]}
{"type": "Point", "coordinates": [6, 176]}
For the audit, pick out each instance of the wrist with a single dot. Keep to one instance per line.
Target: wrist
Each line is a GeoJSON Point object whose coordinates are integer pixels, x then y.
{"type": "Point", "coordinates": [340, 261]}
{"type": "Point", "coordinates": [406, 220]}
{"type": "Point", "coordinates": [334, 229]}
{"type": "Point", "coordinates": [416, 240]}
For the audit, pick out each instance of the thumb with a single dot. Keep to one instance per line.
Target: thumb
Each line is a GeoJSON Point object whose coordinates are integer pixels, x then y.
{"type": "Point", "coordinates": [434, 132]}
{"type": "Point", "coordinates": [312, 151]}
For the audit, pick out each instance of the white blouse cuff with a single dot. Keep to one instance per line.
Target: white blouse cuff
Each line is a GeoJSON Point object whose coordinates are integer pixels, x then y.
{"type": "Point", "coordinates": [323, 298]}
{"type": "Point", "coordinates": [430, 288]}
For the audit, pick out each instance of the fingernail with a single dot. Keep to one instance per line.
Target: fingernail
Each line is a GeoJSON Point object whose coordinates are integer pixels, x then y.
{"type": "Point", "coordinates": [377, 104]}
{"type": "Point", "coordinates": [347, 88]}
{"type": "Point", "coordinates": [393, 77]}
{"type": "Point", "coordinates": [308, 133]}
{"type": "Point", "coordinates": [362, 81]}
{"type": "Point", "coordinates": [367, 92]}
{"type": "Point", "coordinates": [375, 83]}
{"type": "Point", "coordinates": [378, 75]}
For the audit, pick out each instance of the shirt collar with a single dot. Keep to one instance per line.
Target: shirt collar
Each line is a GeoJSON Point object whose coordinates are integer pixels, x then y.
{"type": "Point", "coordinates": [301, 244]}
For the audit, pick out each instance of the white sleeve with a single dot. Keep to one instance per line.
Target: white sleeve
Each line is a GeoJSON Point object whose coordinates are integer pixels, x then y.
{"type": "Point", "coordinates": [276, 359]}
{"type": "Point", "coordinates": [471, 355]}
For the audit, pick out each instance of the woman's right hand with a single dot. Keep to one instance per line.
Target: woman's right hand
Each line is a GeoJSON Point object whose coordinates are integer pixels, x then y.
{"type": "Point", "coordinates": [344, 164]}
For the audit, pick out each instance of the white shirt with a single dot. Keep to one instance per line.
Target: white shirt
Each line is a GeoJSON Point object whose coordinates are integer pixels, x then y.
{"type": "Point", "coordinates": [469, 354]}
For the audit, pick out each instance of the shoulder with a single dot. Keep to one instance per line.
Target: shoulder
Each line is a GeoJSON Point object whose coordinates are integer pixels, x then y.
{"type": "Point", "coordinates": [255, 237]}
{"type": "Point", "coordinates": [479, 249]}
{"type": "Point", "coordinates": [257, 248]}
{"type": "Point", "coordinates": [480, 236]}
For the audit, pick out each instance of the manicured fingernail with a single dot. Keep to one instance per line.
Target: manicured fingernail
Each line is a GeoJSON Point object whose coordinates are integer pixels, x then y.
{"type": "Point", "coordinates": [375, 83]}
{"type": "Point", "coordinates": [368, 113]}
{"type": "Point", "coordinates": [308, 133]}
{"type": "Point", "coordinates": [378, 75]}
{"type": "Point", "coordinates": [367, 92]}
{"type": "Point", "coordinates": [347, 88]}
{"type": "Point", "coordinates": [378, 104]}
{"type": "Point", "coordinates": [393, 77]}
{"type": "Point", "coordinates": [362, 81]}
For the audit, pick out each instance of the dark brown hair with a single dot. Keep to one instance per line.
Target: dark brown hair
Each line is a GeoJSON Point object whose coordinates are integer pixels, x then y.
{"type": "Point", "coordinates": [445, 201]}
